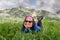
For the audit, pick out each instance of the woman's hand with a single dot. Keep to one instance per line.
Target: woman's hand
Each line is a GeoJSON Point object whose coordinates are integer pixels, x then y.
{"type": "Point", "coordinates": [28, 25]}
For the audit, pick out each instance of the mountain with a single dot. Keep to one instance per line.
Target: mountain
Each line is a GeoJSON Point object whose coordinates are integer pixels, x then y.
{"type": "Point", "coordinates": [23, 12]}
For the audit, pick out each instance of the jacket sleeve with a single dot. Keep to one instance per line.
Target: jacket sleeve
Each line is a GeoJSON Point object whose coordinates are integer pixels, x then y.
{"type": "Point", "coordinates": [25, 30]}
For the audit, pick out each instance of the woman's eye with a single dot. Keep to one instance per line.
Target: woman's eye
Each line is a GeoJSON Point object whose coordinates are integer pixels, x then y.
{"type": "Point", "coordinates": [25, 24]}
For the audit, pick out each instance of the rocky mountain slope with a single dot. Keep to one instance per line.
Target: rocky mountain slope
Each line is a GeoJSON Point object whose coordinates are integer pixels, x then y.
{"type": "Point", "coordinates": [22, 12]}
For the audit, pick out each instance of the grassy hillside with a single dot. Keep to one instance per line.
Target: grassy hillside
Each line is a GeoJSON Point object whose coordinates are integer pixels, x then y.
{"type": "Point", "coordinates": [11, 30]}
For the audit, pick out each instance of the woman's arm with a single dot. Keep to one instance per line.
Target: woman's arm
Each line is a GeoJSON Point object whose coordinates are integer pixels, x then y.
{"type": "Point", "coordinates": [25, 30]}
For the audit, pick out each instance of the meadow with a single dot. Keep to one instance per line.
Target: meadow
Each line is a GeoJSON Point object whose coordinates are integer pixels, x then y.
{"type": "Point", "coordinates": [11, 30]}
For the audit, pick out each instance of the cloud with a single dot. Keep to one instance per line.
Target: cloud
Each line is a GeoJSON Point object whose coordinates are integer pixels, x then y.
{"type": "Point", "coordinates": [25, 3]}
{"type": "Point", "coordinates": [13, 3]}
{"type": "Point", "coordinates": [50, 5]}
{"type": "Point", "coordinates": [45, 5]}
{"type": "Point", "coordinates": [8, 4]}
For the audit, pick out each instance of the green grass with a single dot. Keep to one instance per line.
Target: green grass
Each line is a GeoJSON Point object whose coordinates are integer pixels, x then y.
{"type": "Point", "coordinates": [11, 30]}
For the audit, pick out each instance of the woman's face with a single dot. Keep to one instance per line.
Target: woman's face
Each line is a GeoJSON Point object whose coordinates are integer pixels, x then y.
{"type": "Point", "coordinates": [28, 24]}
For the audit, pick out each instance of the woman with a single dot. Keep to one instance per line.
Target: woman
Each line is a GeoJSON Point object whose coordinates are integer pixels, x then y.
{"type": "Point", "coordinates": [29, 25]}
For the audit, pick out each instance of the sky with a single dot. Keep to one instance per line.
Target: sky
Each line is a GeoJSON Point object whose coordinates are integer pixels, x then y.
{"type": "Point", "coordinates": [49, 5]}
{"type": "Point", "coordinates": [16, 3]}
{"type": "Point", "coordinates": [8, 4]}
{"type": "Point", "coordinates": [32, 2]}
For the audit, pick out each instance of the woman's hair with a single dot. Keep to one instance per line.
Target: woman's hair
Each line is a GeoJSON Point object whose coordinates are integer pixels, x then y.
{"type": "Point", "coordinates": [32, 22]}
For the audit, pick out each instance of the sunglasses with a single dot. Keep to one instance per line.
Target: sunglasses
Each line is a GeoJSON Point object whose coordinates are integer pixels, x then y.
{"type": "Point", "coordinates": [29, 21]}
